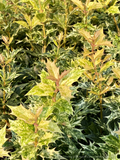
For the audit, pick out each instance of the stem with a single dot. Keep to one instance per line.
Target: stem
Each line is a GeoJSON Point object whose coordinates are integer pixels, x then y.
{"type": "Point", "coordinates": [65, 29]}
{"type": "Point", "coordinates": [101, 108]}
{"type": "Point", "coordinates": [116, 25]}
{"type": "Point", "coordinates": [98, 76]}
{"type": "Point", "coordinates": [44, 42]}
{"type": "Point", "coordinates": [4, 94]}
{"type": "Point", "coordinates": [40, 7]}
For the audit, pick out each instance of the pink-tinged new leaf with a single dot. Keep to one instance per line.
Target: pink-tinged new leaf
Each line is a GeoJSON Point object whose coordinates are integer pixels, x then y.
{"type": "Point", "coordinates": [86, 35]}
{"type": "Point", "coordinates": [52, 78]}
{"type": "Point", "coordinates": [64, 74]}
{"type": "Point", "coordinates": [105, 43]}
{"type": "Point", "coordinates": [52, 69]}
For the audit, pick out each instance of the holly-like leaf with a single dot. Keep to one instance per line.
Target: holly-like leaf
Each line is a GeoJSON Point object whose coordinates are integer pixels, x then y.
{"type": "Point", "coordinates": [63, 106]}
{"type": "Point", "coordinates": [106, 89]}
{"type": "Point", "coordinates": [42, 89]}
{"type": "Point", "coordinates": [52, 69]}
{"type": "Point", "coordinates": [23, 23]}
{"type": "Point", "coordinates": [23, 114]}
{"type": "Point", "coordinates": [86, 35]}
{"type": "Point", "coordinates": [2, 6]}
{"type": "Point", "coordinates": [113, 10]}
{"type": "Point", "coordinates": [94, 5]}
{"type": "Point", "coordinates": [65, 91]}
{"type": "Point", "coordinates": [79, 4]}
{"type": "Point", "coordinates": [47, 138]}
{"type": "Point", "coordinates": [25, 131]}
{"type": "Point", "coordinates": [117, 72]}
{"type": "Point", "coordinates": [71, 77]}
{"type": "Point", "coordinates": [44, 78]}
{"type": "Point", "coordinates": [41, 17]}
{"type": "Point", "coordinates": [49, 126]}
{"type": "Point", "coordinates": [106, 66]}
{"type": "Point", "coordinates": [99, 54]}
{"type": "Point", "coordinates": [86, 64]}
{"type": "Point", "coordinates": [34, 22]}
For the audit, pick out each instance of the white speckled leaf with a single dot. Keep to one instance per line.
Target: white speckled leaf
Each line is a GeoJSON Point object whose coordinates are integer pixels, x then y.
{"type": "Point", "coordinates": [49, 126]}
{"type": "Point", "coordinates": [24, 131]}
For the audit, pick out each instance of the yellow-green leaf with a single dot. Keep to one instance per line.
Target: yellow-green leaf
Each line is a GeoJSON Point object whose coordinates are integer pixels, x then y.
{"type": "Point", "coordinates": [110, 80]}
{"type": "Point", "coordinates": [23, 23]}
{"type": "Point", "coordinates": [86, 52]}
{"type": "Point", "coordinates": [71, 77]}
{"type": "Point", "coordinates": [79, 4]}
{"type": "Point", "coordinates": [106, 66]}
{"type": "Point", "coordinates": [86, 35]}
{"type": "Point", "coordinates": [88, 75]}
{"type": "Point", "coordinates": [117, 72]}
{"type": "Point", "coordinates": [99, 54]}
{"type": "Point", "coordinates": [49, 126]}
{"type": "Point", "coordinates": [100, 79]}
{"type": "Point", "coordinates": [41, 17]}
{"type": "Point", "coordinates": [113, 10]}
{"type": "Point", "coordinates": [35, 22]}
{"type": "Point", "coordinates": [94, 5]}
{"type": "Point", "coordinates": [23, 114]}
{"type": "Point", "coordinates": [65, 91]}
{"type": "Point", "coordinates": [52, 69]}
{"type": "Point", "coordinates": [106, 89]}
{"type": "Point", "coordinates": [42, 89]}
{"type": "Point", "coordinates": [105, 43]}
{"type": "Point", "coordinates": [28, 19]}
{"type": "Point", "coordinates": [106, 58]}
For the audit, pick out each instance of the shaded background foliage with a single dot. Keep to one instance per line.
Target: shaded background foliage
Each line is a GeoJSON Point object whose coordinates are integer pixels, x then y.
{"type": "Point", "coordinates": [55, 36]}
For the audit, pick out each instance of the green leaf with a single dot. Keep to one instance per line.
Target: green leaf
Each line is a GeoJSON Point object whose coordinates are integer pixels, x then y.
{"type": "Point", "coordinates": [45, 80]}
{"type": "Point", "coordinates": [113, 10]}
{"type": "Point", "coordinates": [41, 17]}
{"type": "Point", "coordinates": [29, 152]}
{"type": "Point", "coordinates": [117, 72]}
{"type": "Point", "coordinates": [111, 156]}
{"type": "Point", "coordinates": [24, 131]}
{"type": "Point", "coordinates": [86, 35]}
{"type": "Point", "coordinates": [71, 77]}
{"type": "Point", "coordinates": [99, 54]}
{"type": "Point", "coordinates": [65, 91]}
{"type": "Point", "coordinates": [35, 22]}
{"type": "Point", "coordinates": [23, 23]}
{"type": "Point", "coordinates": [94, 5]}
{"type": "Point", "coordinates": [2, 6]}
{"type": "Point", "coordinates": [106, 89]}
{"type": "Point", "coordinates": [49, 126]}
{"type": "Point", "coordinates": [24, 114]}
{"type": "Point", "coordinates": [47, 138]}
{"type": "Point", "coordinates": [63, 106]}
{"type": "Point", "coordinates": [79, 4]}
{"type": "Point", "coordinates": [42, 89]}
{"type": "Point", "coordinates": [106, 66]}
